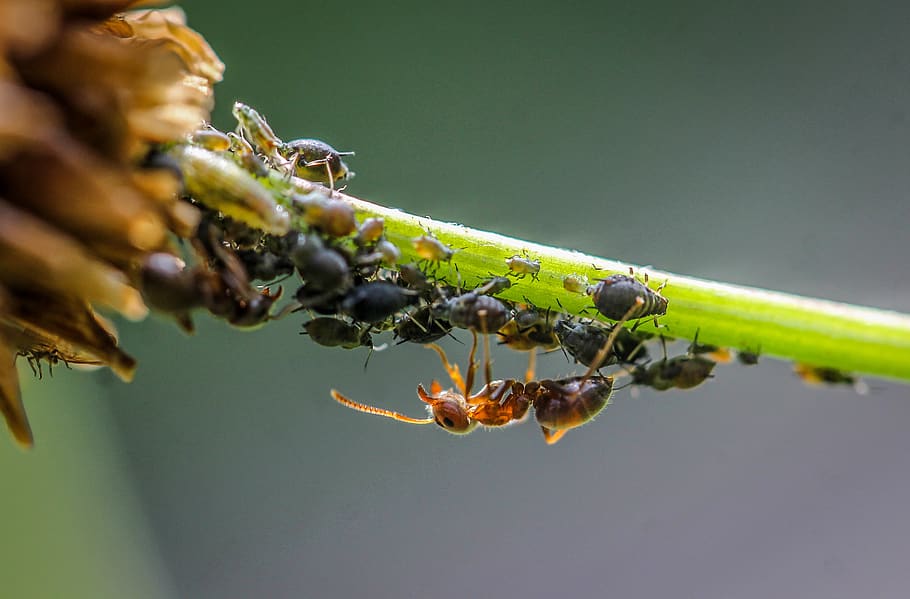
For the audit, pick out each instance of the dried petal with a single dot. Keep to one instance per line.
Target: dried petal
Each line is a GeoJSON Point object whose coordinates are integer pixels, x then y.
{"type": "Point", "coordinates": [35, 255]}
{"type": "Point", "coordinates": [11, 397]}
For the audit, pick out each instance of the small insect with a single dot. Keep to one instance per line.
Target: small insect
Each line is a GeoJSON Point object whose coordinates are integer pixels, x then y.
{"type": "Point", "coordinates": [325, 270]}
{"type": "Point", "coordinates": [583, 340]}
{"type": "Point", "coordinates": [559, 405]}
{"type": "Point", "coordinates": [715, 353]}
{"type": "Point", "coordinates": [420, 326]}
{"type": "Point", "coordinates": [493, 286]}
{"type": "Point", "coordinates": [522, 266]}
{"type": "Point", "coordinates": [480, 313]}
{"type": "Point", "coordinates": [369, 232]}
{"type": "Point", "coordinates": [681, 372]}
{"type": "Point", "coordinates": [332, 332]}
{"type": "Point", "coordinates": [53, 356]}
{"type": "Point", "coordinates": [211, 139]}
{"type": "Point", "coordinates": [309, 159]}
{"type": "Point", "coordinates": [254, 128]}
{"type": "Point", "coordinates": [823, 375]}
{"type": "Point", "coordinates": [614, 296]}
{"type": "Point", "coordinates": [747, 358]}
{"type": "Point", "coordinates": [333, 217]}
{"type": "Point", "coordinates": [431, 249]}
{"type": "Point", "coordinates": [574, 283]}
{"type": "Point", "coordinates": [265, 265]}
{"type": "Point", "coordinates": [316, 161]}
{"type": "Point", "coordinates": [375, 301]}
{"type": "Point", "coordinates": [529, 329]}
{"type": "Point", "coordinates": [244, 155]}
{"type": "Point", "coordinates": [389, 251]}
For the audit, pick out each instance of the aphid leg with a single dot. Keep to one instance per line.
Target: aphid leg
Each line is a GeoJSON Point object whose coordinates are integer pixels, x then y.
{"type": "Point", "coordinates": [614, 333]}
{"type": "Point", "coordinates": [452, 369]}
{"type": "Point", "coordinates": [31, 364]}
{"type": "Point", "coordinates": [551, 436]}
{"type": "Point", "coordinates": [360, 407]}
{"type": "Point", "coordinates": [328, 168]}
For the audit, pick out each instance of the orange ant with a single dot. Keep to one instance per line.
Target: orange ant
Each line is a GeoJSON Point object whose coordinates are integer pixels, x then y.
{"type": "Point", "coordinates": [559, 405]}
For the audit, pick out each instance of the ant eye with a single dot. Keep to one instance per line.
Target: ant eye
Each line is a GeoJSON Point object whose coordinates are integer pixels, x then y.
{"type": "Point", "coordinates": [452, 417]}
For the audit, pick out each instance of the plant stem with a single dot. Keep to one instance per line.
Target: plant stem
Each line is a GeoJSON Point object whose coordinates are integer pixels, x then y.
{"type": "Point", "coordinates": [819, 332]}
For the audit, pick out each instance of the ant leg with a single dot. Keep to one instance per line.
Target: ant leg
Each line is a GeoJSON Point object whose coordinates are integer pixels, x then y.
{"type": "Point", "coordinates": [487, 363]}
{"type": "Point", "coordinates": [603, 351]}
{"type": "Point", "coordinates": [360, 407]}
{"type": "Point", "coordinates": [532, 363]}
{"type": "Point", "coordinates": [452, 369]}
{"type": "Point", "coordinates": [551, 436]}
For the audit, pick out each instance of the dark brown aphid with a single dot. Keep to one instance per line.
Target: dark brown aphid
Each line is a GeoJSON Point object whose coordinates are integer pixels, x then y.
{"type": "Point", "coordinates": [414, 278]}
{"type": "Point", "coordinates": [265, 265]}
{"type": "Point", "coordinates": [616, 294]}
{"type": "Point", "coordinates": [823, 375]}
{"type": "Point", "coordinates": [747, 358]}
{"type": "Point", "coordinates": [332, 332]}
{"type": "Point", "coordinates": [681, 372]}
{"type": "Point", "coordinates": [480, 313]}
{"type": "Point", "coordinates": [375, 301]}
{"type": "Point", "coordinates": [420, 326]}
{"type": "Point", "coordinates": [559, 405]}
{"type": "Point", "coordinates": [317, 161]}
{"type": "Point", "coordinates": [522, 266]}
{"type": "Point", "coordinates": [583, 340]}
{"type": "Point", "coordinates": [325, 271]}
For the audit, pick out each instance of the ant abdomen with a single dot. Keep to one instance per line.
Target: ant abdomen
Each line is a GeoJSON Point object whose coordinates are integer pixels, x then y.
{"type": "Point", "coordinates": [567, 403]}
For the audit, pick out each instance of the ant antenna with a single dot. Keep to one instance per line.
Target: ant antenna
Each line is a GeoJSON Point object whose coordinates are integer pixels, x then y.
{"type": "Point", "coordinates": [360, 407]}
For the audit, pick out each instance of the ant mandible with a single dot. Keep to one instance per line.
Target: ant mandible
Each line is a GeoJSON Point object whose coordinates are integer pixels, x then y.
{"type": "Point", "coordinates": [559, 405]}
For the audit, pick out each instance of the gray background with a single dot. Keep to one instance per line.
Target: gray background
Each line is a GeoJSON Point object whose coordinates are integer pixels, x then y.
{"type": "Point", "coordinates": [757, 143]}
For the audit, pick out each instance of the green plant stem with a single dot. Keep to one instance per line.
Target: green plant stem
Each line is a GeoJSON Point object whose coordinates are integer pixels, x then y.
{"type": "Point", "coordinates": [819, 332]}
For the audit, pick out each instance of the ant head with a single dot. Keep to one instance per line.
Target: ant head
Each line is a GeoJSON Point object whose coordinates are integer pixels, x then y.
{"type": "Point", "coordinates": [449, 410]}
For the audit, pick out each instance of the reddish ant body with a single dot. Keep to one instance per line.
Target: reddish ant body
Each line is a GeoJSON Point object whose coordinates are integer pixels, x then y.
{"type": "Point", "coordinates": [559, 405]}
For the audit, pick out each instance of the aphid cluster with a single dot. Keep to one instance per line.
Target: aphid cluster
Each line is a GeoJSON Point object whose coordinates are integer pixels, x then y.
{"type": "Point", "coordinates": [351, 284]}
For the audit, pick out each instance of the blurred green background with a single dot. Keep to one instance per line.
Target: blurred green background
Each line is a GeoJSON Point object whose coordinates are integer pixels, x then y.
{"type": "Point", "coordinates": [763, 144]}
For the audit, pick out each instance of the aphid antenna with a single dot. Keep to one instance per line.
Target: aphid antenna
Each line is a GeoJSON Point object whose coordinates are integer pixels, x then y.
{"type": "Point", "coordinates": [691, 350]}
{"type": "Point", "coordinates": [663, 345]}
{"type": "Point", "coordinates": [367, 409]}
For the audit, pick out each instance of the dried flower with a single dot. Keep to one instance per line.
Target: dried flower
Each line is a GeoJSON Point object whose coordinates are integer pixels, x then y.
{"type": "Point", "coordinates": [86, 93]}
